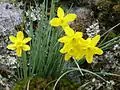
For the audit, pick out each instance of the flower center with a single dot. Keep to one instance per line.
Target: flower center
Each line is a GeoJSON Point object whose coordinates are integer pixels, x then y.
{"type": "Point", "coordinates": [71, 51]}
{"type": "Point", "coordinates": [89, 48]}
{"type": "Point", "coordinates": [62, 21]}
{"type": "Point", "coordinates": [19, 43]}
{"type": "Point", "coordinates": [74, 41]}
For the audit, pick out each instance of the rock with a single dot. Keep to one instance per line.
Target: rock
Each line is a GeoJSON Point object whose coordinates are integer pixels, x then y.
{"type": "Point", "coordinates": [93, 30]}
{"type": "Point", "coordinates": [9, 17]}
{"type": "Point", "coordinates": [84, 19]}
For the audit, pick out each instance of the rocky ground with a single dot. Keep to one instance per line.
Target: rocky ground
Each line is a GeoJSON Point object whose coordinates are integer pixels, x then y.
{"type": "Point", "coordinates": [108, 62]}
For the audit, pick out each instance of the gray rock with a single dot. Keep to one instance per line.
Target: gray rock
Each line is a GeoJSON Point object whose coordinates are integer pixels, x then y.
{"type": "Point", "coordinates": [84, 19]}
{"type": "Point", "coordinates": [9, 17]}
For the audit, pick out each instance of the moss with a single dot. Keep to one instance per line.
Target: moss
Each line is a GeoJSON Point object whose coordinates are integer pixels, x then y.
{"type": "Point", "coordinates": [39, 83]}
{"type": "Point", "coordinates": [106, 13]}
{"type": "Point", "coordinates": [105, 4]}
{"type": "Point", "coordinates": [20, 85]}
{"type": "Point", "coordinates": [117, 8]}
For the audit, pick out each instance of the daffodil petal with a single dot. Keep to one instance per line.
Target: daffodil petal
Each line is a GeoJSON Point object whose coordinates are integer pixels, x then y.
{"type": "Point", "coordinates": [88, 40]}
{"type": "Point", "coordinates": [69, 31]}
{"type": "Point", "coordinates": [26, 40]}
{"type": "Point", "coordinates": [80, 55]}
{"type": "Point", "coordinates": [12, 39]}
{"type": "Point", "coordinates": [19, 52]}
{"type": "Point", "coordinates": [95, 40]}
{"type": "Point", "coordinates": [55, 22]}
{"type": "Point", "coordinates": [72, 52]}
{"type": "Point", "coordinates": [11, 46]}
{"type": "Point", "coordinates": [67, 56]}
{"type": "Point", "coordinates": [89, 56]}
{"type": "Point", "coordinates": [60, 12]}
{"type": "Point", "coordinates": [64, 49]}
{"type": "Point", "coordinates": [26, 47]}
{"type": "Point", "coordinates": [98, 51]}
{"type": "Point", "coordinates": [70, 17]}
{"type": "Point", "coordinates": [77, 52]}
{"type": "Point", "coordinates": [78, 34]}
{"type": "Point", "coordinates": [63, 39]}
{"type": "Point", "coordinates": [64, 25]}
{"type": "Point", "coordinates": [20, 35]}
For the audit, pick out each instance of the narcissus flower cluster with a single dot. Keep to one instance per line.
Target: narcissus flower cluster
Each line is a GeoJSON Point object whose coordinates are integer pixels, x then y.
{"type": "Point", "coordinates": [74, 45]}
{"type": "Point", "coordinates": [19, 43]}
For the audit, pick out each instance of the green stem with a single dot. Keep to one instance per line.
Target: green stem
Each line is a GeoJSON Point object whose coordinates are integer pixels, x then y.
{"type": "Point", "coordinates": [25, 68]}
{"type": "Point", "coordinates": [112, 40]}
{"type": "Point", "coordinates": [61, 77]}
{"type": "Point", "coordinates": [104, 39]}
{"type": "Point", "coordinates": [78, 67]}
{"type": "Point", "coordinates": [49, 83]}
{"type": "Point", "coordinates": [20, 68]}
{"type": "Point", "coordinates": [85, 70]}
{"type": "Point", "coordinates": [110, 29]}
{"type": "Point", "coordinates": [109, 45]}
{"type": "Point", "coordinates": [18, 71]}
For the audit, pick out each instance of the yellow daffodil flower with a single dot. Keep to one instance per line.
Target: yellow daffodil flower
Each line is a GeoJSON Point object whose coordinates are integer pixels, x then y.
{"type": "Point", "coordinates": [91, 48]}
{"type": "Point", "coordinates": [62, 20]}
{"type": "Point", "coordinates": [19, 43]}
{"type": "Point", "coordinates": [75, 46]}
{"type": "Point", "coordinates": [72, 44]}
